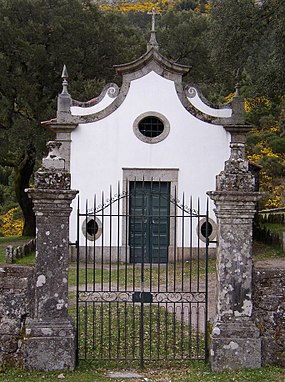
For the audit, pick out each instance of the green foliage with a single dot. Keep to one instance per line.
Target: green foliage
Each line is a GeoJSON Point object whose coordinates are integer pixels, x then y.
{"type": "Point", "coordinates": [36, 38]}
{"type": "Point", "coordinates": [266, 147]}
{"type": "Point", "coordinates": [277, 145]}
{"type": "Point", "coordinates": [232, 32]}
{"type": "Point", "coordinates": [185, 5]}
{"type": "Point", "coordinates": [182, 36]}
{"type": "Point", "coordinates": [276, 167]}
{"type": "Point", "coordinates": [244, 41]}
{"type": "Point", "coordinates": [275, 228]}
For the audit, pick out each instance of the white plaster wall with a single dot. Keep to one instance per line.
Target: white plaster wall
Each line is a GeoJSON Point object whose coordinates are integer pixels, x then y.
{"type": "Point", "coordinates": [196, 101]}
{"type": "Point", "coordinates": [101, 149]}
{"type": "Point", "coordinates": [105, 101]}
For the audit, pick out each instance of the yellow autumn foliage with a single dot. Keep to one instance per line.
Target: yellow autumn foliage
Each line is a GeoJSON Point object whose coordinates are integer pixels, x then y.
{"type": "Point", "coordinates": [229, 97]}
{"type": "Point", "coordinates": [254, 157]}
{"type": "Point", "coordinates": [139, 6]}
{"type": "Point", "coordinates": [274, 129]}
{"type": "Point", "coordinates": [207, 8]}
{"type": "Point", "coordinates": [267, 152]}
{"type": "Point", "coordinates": [275, 198]}
{"type": "Point", "coordinates": [250, 103]}
{"type": "Point", "coordinates": [9, 225]}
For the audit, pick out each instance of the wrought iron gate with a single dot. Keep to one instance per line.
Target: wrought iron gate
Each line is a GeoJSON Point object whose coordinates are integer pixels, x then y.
{"type": "Point", "coordinates": [142, 277]}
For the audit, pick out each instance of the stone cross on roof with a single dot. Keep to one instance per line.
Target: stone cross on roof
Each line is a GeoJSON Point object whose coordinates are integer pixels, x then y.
{"type": "Point", "coordinates": [152, 41]}
{"type": "Point", "coordinates": [153, 13]}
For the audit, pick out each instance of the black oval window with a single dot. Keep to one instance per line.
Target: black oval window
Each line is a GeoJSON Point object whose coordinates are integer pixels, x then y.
{"type": "Point", "coordinates": [92, 227]}
{"type": "Point", "coordinates": [151, 127]}
{"type": "Point", "coordinates": [204, 227]}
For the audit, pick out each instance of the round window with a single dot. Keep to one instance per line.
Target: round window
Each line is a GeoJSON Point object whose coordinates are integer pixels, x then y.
{"type": "Point", "coordinates": [92, 228]}
{"type": "Point", "coordinates": [202, 229]}
{"type": "Point", "coordinates": [151, 127]}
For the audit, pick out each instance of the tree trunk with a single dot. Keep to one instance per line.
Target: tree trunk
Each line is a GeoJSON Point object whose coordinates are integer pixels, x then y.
{"type": "Point", "coordinates": [23, 173]}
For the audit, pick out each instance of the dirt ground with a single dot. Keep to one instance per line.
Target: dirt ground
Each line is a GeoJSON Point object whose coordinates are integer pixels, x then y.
{"type": "Point", "coordinates": [270, 264]}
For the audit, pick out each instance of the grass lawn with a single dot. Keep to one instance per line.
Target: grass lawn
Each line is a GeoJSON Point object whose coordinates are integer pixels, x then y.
{"type": "Point", "coordinates": [263, 252]}
{"type": "Point", "coordinates": [112, 331]}
{"type": "Point", "coordinates": [193, 372]}
{"type": "Point", "coordinates": [128, 275]}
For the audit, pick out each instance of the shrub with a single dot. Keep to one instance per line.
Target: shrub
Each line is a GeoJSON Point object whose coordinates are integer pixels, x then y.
{"type": "Point", "coordinates": [10, 223]}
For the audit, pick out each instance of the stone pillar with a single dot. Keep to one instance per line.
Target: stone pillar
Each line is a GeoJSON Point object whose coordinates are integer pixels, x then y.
{"type": "Point", "coordinates": [49, 336]}
{"type": "Point", "coordinates": [235, 340]}
{"type": "Point", "coordinates": [64, 123]}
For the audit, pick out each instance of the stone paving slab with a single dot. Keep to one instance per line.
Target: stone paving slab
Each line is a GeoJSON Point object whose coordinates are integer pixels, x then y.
{"type": "Point", "coordinates": [124, 374]}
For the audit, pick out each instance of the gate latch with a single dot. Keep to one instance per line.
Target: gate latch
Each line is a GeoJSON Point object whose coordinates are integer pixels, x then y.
{"type": "Point", "coordinates": [142, 297]}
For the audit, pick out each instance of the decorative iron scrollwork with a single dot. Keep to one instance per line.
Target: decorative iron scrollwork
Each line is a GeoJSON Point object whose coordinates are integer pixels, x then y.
{"type": "Point", "coordinates": [179, 297]}
{"type": "Point", "coordinates": [108, 202]}
{"type": "Point", "coordinates": [105, 296]}
{"type": "Point", "coordinates": [183, 207]}
{"type": "Point", "coordinates": [156, 297]}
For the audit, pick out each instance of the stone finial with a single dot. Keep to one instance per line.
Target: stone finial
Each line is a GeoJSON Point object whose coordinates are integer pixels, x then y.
{"type": "Point", "coordinates": [64, 99]}
{"type": "Point", "coordinates": [152, 41]}
{"type": "Point", "coordinates": [53, 160]}
{"type": "Point", "coordinates": [64, 76]}
{"type": "Point", "coordinates": [238, 116]}
{"type": "Point", "coordinates": [237, 87]}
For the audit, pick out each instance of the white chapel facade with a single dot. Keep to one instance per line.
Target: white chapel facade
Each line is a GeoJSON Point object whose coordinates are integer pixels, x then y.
{"type": "Point", "coordinates": [151, 129]}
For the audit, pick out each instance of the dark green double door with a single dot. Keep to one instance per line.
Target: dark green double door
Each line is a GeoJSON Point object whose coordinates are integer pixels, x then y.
{"type": "Point", "coordinates": [149, 222]}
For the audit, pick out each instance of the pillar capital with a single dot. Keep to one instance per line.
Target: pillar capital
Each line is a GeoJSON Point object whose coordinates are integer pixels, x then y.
{"type": "Point", "coordinates": [235, 204]}
{"type": "Point", "coordinates": [52, 202]}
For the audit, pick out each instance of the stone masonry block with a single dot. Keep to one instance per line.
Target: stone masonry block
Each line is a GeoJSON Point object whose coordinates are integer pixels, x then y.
{"type": "Point", "coordinates": [49, 345]}
{"type": "Point", "coordinates": [235, 346]}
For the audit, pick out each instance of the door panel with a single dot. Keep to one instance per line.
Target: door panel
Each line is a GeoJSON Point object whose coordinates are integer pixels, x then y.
{"type": "Point", "coordinates": [149, 221]}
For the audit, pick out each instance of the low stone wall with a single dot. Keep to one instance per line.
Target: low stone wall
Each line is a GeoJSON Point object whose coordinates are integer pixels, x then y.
{"type": "Point", "coordinates": [13, 253]}
{"type": "Point", "coordinates": [269, 310]}
{"type": "Point", "coordinates": [16, 304]}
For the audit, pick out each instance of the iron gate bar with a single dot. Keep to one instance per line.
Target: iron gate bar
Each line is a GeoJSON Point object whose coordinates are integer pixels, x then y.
{"type": "Point", "coordinates": [176, 307]}
{"type": "Point", "coordinates": [141, 334]}
{"type": "Point", "coordinates": [77, 284]}
{"type": "Point", "coordinates": [206, 282]}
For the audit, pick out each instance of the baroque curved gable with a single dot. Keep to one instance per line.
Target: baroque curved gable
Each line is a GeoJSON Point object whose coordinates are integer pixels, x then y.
{"type": "Point", "coordinates": [152, 60]}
